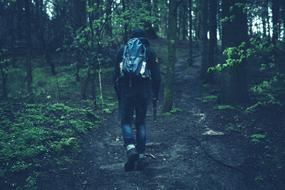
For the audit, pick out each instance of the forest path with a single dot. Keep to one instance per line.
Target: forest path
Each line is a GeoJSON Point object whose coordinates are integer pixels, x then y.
{"type": "Point", "coordinates": [184, 157]}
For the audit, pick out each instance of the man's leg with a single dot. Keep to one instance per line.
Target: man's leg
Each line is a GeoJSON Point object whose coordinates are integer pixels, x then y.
{"type": "Point", "coordinates": [141, 109]}
{"type": "Point", "coordinates": [129, 142]}
{"type": "Point", "coordinates": [127, 110]}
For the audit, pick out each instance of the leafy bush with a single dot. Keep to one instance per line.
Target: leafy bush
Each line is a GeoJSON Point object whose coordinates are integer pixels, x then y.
{"type": "Point", "coordinates": [39, 137]}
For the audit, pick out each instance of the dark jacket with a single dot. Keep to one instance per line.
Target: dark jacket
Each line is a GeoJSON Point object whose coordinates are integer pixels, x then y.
{"type": "Point", "coordinates": [143, 85]}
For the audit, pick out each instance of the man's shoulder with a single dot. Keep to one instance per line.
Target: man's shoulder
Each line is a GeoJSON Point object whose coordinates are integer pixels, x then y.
{"type": "Point", "coordinates": [151, 53]}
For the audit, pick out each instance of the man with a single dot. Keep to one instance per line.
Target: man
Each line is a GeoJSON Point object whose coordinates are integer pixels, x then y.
{"type": "Point", "coordinates": [133, 94]}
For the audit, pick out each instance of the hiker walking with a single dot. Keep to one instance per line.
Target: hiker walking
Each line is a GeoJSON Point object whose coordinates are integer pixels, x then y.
{"type": "Point", "coordinates": [137, 80]}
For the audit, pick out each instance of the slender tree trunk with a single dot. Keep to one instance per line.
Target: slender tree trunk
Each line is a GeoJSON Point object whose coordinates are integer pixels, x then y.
{"type": "Point", "coordinates": [41, 38]}
{"type": "Point", "coordinates": [267, 19]}
{"type": "Point", "coordinates": [109, 18]}
{"type": "Point", "coordinates": [264, 27]}
{"type": "Point", "coordinates": [213, 6]}
{"type": "Point", "coordinates": [183, 21]}
{"type": "Point", "coordinates": [29, 68]}
{"type": "Point", "coordinates": [4, 82]}
{"type": "Point", "coordinates": [190, 33]}
{"type": "Point", "coordinates": [275, 20]}
{"type": "Point", "coordinates": [250, 27]}
{"type": "Point", "coordinates": [93, 84]}
{"type": "Point", "coordinates": [92, 63]}
{"type": "Point", "coordinates": [78, 66]}
{"type": "Point", "coordinates": [125, 35]}
{"type": "Point", "coordinates": [204, 41]}
{"type": "Point", "coordinates": [147, 25]}
{"type": "Point", "coordinates": [283, 18]}
{"type": "Point", "coordinates": [157, 14]}
{"type": "Point", "coordinates": [171, 37]}
{"type": "Point", "coordinates": [85, 84]}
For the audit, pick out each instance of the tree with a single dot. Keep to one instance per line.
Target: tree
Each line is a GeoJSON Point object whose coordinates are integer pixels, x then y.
{"type": "Point", "coordinates": [204, 41]}
{"type": "Point", "coordinates": [190, 32]}
{"type": "Point", "coordinates": [108, 21]}
{"type": "Point", "coordinates": [150, 31]}
{"type": "Point", "coordinates": [213, 6]}
{"type": "Point", "coordinates": [28, 31]}
{"type": "Point", "coordinates": [234, 33]}
{"type": "Point", "coordinates": [171, 41]}
{"type": "Point", "coordinates": [182, 16]}
{"type": "Point", "coordinates": [275, 20]}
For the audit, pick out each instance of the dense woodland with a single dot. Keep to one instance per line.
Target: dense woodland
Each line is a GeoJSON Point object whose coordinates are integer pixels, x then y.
{"type": "Point", "coordinates": [56, 64]}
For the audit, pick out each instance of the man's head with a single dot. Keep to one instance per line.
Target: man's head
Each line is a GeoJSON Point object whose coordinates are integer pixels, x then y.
{"type": "Point", "coordinates": [138, 33]}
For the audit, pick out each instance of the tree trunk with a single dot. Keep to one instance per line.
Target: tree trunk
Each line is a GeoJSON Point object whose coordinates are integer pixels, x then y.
{"type": "Point", "coordinates": [282, 65]}
{"type": "Point", "coordinates": [234, 32]}
{"type": "Point", "coordinates": [171, 37]}
{"type": "Point", "coordinates": [157, 14]}
{"type": "Point", "coordinates": [85, 84]}
{"type": "Point", "coordinates": [109, 18]}
{"type": "Point", "coordinates": [125, 35]}
{"type": "Point", "coordinates": [190, 33]}
{"type": "Point", "coordinates": [204, 41]}
{"type": "Point", "coordinates": [267, 18]}
{"type": "Point", "coordinates": [29, 69]}
{"type": "Point", "coordinates": [150, 31]}
{"type": "Point", "coordinates": [213, 5]}
{"type": "Point", "coordinates": [4, 82]}
{"type": "Point", "coordinates": [183, 21]}
{"type": "Point", "coordinates": [264, 27]}
{"type": "Point", "coordinates": [275, 20]}
{"type": "Point", "coordinates": [283, 18]}
{"type": "Point", "coordinates": [93, 84]}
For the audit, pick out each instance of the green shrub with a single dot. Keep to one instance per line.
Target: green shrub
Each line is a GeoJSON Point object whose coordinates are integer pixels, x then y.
{"type": "Point", "coordinates": [34, 133]}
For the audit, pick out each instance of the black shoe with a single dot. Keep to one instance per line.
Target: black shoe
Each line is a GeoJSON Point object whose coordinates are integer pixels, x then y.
{"type": "Point", "coordinates": [142, 163]}
{"type": "Point", "coordinates": [132, 158]}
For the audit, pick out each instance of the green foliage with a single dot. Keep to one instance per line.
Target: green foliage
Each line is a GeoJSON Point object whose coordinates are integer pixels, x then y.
{"type": "Point", "coordinates": [259, 179]}
{"type": "Point", "coordinates": [224, 107]}
{"type": "Point", "coordinates": [234, 127]}
{"type": "Point", "coordinates": [33, 134]}
{"type": "Point", "coordinates": [210, 98]}
{"type": "Point", "coordinates": [234, 56]}
{"type": "Point", "coordinates": [227, 19]}
{"type": "Point", "coordinates": [257, 137]}
{"type": "Point", "coordinates": [268, 92]}
{"type": "Point", "coordinates": [173, 111]}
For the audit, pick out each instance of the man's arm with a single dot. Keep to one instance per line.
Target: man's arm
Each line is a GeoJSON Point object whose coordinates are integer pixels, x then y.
{"type": "Point", "coordinates": [155, 75]}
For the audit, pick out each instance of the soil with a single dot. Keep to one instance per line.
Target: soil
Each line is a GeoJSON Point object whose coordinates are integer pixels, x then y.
{"type": "Point", "coordinates": [181, 156]}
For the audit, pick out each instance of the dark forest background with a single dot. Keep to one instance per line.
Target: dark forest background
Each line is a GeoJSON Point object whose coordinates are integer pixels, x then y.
{"type": "Point", "coordinates": [56, 63]}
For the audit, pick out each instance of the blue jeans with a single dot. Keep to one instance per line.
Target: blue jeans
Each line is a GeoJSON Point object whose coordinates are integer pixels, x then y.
{"type": "Point", "coordinates": [130, 104]}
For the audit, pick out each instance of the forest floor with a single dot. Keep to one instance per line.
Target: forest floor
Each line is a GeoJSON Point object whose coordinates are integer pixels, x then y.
{"type": "Point", "coordinates": [190, 151]}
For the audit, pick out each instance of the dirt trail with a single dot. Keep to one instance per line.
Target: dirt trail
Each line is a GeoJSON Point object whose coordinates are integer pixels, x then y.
{"type": "Point", "coordinates": [184, 158]}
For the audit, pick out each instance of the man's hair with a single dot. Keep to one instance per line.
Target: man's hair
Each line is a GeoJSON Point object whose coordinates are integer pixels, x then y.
{"type": "Point", "coordinates": [138, 33]}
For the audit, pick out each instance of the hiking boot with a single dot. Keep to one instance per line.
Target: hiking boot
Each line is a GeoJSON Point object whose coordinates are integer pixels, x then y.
{"type": "Point", "coordinates": [132, 158]}
{"type": "Point", "coordinates": [141, 163]}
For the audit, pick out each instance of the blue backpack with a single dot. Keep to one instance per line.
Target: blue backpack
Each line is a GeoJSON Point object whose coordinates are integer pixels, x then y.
{"type": "Point", "coordinates": [134, 62]}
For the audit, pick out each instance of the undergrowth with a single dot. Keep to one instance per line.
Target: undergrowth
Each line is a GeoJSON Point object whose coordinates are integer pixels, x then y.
{"type": "Point", "coordinates": [37, 138]}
